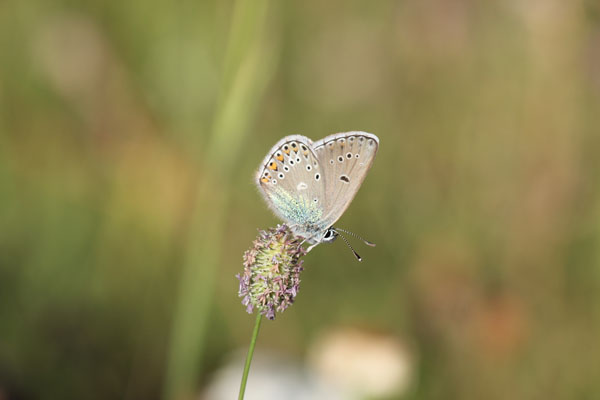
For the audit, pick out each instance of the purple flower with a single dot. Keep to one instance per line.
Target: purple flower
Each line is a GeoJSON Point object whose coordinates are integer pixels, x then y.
{"type": "Point", "coordinates": [272, 267]}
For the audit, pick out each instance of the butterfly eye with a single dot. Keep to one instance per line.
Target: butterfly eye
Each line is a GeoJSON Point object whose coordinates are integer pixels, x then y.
{"type": "Point", "coordinates": [349, 155]}
{"type": "Point", "coordinates": [341, 159]}
{"type": "Point", "coordinates": [286, 168]}
{"type": "Point", "coordinates": [281, 175]}
{"type": "Point", "coordinates": [351, 139]}
{"type": "Point", "coordinates": [357, 155]}
{"type": "Point", "coordinates": [331, 162]}
{"type": "Point", "coordinates": [315, 200]}
{"type": "Point", "coordinates": [317, 176]}
{"type": "Point", "coordinates": [308, 167]}
{"type": "Point", "coordinates": [344, 178]}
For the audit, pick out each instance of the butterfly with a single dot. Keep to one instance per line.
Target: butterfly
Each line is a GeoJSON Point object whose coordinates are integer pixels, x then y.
{"type": "Point", "coordinates": [310, 184]}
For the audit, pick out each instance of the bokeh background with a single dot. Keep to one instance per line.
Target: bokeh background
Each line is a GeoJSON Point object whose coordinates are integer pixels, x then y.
{"type": "Point", "coordinates": [129, 135]}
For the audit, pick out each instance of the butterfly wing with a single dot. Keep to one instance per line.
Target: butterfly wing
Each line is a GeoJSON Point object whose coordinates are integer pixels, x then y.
{"type": "Point", "coordinates": [291, 181]}
{"type": "Point", "coordinates": [345, 158]}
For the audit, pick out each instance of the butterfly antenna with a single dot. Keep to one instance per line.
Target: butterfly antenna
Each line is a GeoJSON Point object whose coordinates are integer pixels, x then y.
{"type": "Point", "coordinates": [356, 236]}
{"type": "Point", "coordinates": [348, 243]}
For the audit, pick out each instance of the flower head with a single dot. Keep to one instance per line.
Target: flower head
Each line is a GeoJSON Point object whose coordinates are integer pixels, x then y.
{"type": "Point", "coordinates": [272, 267]}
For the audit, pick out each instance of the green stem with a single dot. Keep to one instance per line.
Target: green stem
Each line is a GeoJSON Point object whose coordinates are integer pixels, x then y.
{"type": "Point", "coordinates": [249, 356]}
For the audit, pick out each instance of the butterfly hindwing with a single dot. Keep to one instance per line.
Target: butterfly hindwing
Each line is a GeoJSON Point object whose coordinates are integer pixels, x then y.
{"type": "Point", "coordinates": [291, 180]}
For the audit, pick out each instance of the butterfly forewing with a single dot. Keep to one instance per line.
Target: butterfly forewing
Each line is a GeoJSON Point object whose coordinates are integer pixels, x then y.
{"type": "Point", "coordinates": [346, 158]}
{"type": "Point", "coordinates": [291, 180]}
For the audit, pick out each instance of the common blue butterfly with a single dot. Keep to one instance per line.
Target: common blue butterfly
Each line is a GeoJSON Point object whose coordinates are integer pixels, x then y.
{"type": "Point", "coordinates": [310, 185]}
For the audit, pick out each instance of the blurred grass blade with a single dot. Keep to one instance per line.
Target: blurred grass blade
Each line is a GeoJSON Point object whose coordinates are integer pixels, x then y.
{"type": "Point", "coordinates": [250, 61]}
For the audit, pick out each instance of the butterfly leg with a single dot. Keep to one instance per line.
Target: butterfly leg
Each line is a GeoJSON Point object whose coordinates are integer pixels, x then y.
{"type": "Point", "coordinates": [311, 247]}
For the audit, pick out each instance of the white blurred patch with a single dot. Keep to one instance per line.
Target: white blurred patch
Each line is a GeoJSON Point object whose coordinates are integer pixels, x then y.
{"type": "Point", "coordinates": [363, 363]}
{"type": "Point", "coordinates": [272, 377]}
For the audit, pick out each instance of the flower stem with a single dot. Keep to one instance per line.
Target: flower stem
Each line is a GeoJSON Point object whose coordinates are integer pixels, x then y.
{"type": "Point", "coordinates": [249, 356]}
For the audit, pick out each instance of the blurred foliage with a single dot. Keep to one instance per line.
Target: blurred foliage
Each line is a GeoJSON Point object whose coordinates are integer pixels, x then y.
{"type": "Point", "coordinates": [130, 131]}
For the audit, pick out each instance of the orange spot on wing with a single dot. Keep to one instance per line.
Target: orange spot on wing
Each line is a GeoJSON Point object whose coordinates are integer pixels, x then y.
{"type": "Point", "coordinates": [286, 151]}
{"type": "Point", "coordinates": [264, 180]}
{"type": "Point", "coordinates": [280, 157]}
{"type": "Point", "coordinates": [273, 166]}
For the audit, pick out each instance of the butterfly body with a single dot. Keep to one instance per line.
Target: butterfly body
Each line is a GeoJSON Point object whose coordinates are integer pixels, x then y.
{"type": "Point", "coordinates": [310, 184]}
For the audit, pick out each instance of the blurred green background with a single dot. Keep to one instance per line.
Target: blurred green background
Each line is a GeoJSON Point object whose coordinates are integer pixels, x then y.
{"type": "Point", "coordinates": [130, 132]}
